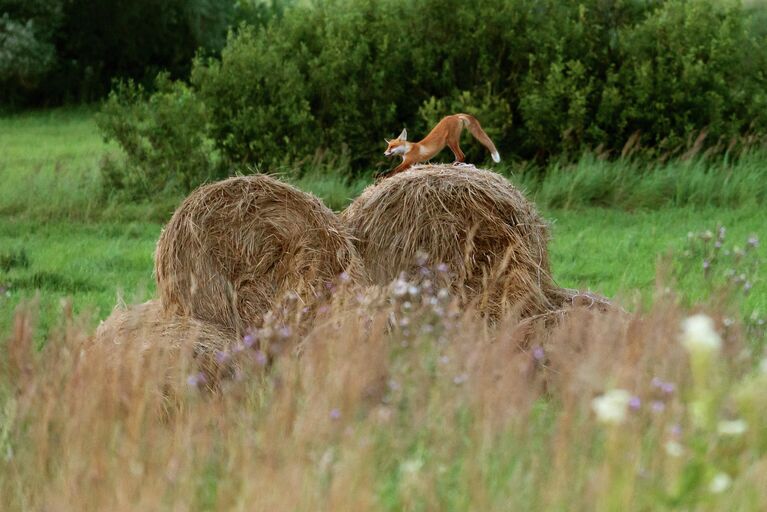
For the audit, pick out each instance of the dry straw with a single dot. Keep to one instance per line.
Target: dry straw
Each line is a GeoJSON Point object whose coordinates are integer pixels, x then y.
{"type": "Point", "coordinates": [148, 328]}
{"type": "Point", "coordinates": [234, 248]}
{"type": "Point", "coordinates": [492, 239]}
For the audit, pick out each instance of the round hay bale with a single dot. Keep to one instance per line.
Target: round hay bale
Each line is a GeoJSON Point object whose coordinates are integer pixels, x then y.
{"type": "Point", "coordinates": [148, 325]}
{"type": "Point", "coordinates": [142, 346]}
{"type": "Point", "coordinates": [236, 247]}
{"type": "Point", "coordinates": [492, 238]}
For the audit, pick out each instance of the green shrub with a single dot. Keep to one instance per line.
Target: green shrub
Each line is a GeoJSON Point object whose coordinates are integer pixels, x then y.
{"type": "Point", "coordinates": [258, 101]}
{"type": "Point", "coordinates": [163, 136]}
{"type": "Point", "coordinates": [545, 78]}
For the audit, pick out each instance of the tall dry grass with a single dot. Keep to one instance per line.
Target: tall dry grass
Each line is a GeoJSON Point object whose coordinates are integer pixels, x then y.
{"type": "Point", "coordinates": [394, 400]}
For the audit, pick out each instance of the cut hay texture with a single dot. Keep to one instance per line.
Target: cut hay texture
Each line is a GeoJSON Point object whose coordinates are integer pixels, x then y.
{"type": "Point", "coordinates": [148, 324]}
{"type": "Point", "coordinates": [235, 248]}
{"type": "Point", "coordinates": [146, 334]}
{"type": "Point", "coordinates": [492, 238]}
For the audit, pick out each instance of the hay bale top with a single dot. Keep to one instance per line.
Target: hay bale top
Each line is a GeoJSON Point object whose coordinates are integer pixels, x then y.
{"type": "Point", "coordinates": [235, 247]}
{"type": "Point", "coordinates": [473, 220]}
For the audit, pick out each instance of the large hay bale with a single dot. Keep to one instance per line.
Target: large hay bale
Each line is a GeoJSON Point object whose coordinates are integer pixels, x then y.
{"type": "Point", "coordinates": [491, 237]}
{"type": "Point", "coordinates": [235, 247]}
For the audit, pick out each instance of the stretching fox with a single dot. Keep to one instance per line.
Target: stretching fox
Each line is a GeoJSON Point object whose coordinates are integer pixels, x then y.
{"type": "Point", "coordinates": [446, 133]}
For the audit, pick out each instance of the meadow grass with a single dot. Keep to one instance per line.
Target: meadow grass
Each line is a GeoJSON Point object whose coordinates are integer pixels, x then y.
{"type": "Point", "coordinates": [449, 413]}
{"type": "Point", "coordinates": [395, 403]}
{"type": "Point", "coordinates": [80, 244]}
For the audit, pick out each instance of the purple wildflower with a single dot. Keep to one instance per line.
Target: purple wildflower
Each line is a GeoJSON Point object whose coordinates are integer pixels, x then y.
{"type": "Point", "coordinates": [196, 379]}
{"type": "Point", "coordinates": [538, 353]}
{"type": "Point", "coordinates": [261, 358]}
{"type": "Point", "coordinates": [345, 277]}
{"type": "Point", "coordinates": [753, 241]}
{"type": "Point", "coordinates": [284, 332]}
{"type": "Point", "coordinates": [335, 414]}
{"type": "Point", "coordinates": [442, 267]}
{"type": "Point", "coordinates": [635, 403]}
{"type": "Point", "coordinates": [221, 356]}
{"type": "Point", "coordinates": [668, 388]}
{"type": "Point", "coordinates": [657, 406]}
{"type": "Point", "coordinates": [248, 340]}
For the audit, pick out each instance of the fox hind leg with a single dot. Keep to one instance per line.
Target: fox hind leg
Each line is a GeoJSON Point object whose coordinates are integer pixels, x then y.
{"type": "Point", "coordinates": [456, 149]}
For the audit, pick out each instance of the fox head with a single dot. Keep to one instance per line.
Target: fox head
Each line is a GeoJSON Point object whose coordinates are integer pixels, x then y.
{"type": "Point", "coordinates": [398, 146]}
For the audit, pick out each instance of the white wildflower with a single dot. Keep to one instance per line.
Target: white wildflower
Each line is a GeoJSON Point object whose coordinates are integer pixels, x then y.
{"type": "Point", "coordinates": [400, 287]}
{"type": "Point", "coordinates": [673, 448]}
{"type": "Point", "coordinates": [720, 483]}
{"type": "Point", "coordinates": [611, 407]}
{"type": "Point", "coordinates": [411, 466]}
{"type": "Point", "coordinates": [699, 335]}
{"type": "Point", "coordinates": [732, 428]}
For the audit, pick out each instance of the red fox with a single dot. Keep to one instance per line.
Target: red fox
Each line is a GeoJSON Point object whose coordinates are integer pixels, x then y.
{"type": "Point", "coordinates": [446, 133]}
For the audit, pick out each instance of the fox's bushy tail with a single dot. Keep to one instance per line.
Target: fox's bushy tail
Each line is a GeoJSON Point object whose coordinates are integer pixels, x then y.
{"type": "Point", "coordinates": [476, 130]}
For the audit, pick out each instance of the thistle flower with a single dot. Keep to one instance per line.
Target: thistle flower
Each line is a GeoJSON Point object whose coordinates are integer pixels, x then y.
{"type": "Point", "coordinates": [699, 336]}
{"type": "Point", "coordinates": [221, 356]}
{"type": "Point", "coordinates": [261, 358]}
{"type": "Point", "coordinates": [399, 287]}
{"type": "Point", "coordinates": [611, 407]}
{"type": "Point", "coordinates": [196, 379]}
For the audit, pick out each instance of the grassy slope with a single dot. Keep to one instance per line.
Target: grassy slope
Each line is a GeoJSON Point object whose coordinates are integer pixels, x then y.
{"type": "Point", "coordinates": [81, 247]}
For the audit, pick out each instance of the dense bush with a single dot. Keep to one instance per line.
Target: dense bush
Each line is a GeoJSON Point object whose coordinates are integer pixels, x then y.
{"type": "Point", "coordinates": [163, 137]}
{"type": "Point", "coordinates": [53, 51]}
{"type": "Point", "coordinates": [544, 77]}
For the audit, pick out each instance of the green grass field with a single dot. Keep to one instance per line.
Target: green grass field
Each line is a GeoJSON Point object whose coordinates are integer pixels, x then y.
{"type": "Point", "coordinates": [78, 244]}
{"type": "Point", "coordinates": [446, 413]}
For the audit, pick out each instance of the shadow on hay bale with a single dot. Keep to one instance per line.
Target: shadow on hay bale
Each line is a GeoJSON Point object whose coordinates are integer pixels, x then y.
{"type": "Point", "coordinates": [234, 248]}
{"type": "Point", "coordinates": [492, 238]}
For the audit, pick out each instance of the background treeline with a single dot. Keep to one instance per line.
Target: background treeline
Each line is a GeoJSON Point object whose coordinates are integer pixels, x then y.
{"type": "Point", "coordinates": [64, 51]}
{"type": "Point", "coordinates": [326, 81]}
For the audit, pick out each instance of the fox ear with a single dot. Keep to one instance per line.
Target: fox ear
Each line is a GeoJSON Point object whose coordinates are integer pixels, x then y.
{"type": "Point", "coordinates": [403, 135]}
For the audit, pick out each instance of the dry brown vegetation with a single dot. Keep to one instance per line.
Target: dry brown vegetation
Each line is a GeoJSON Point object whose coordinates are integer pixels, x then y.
{"type": "Point", "coordinates": [389, 402]}
{"type": "Point", "coordinates": [396, 396]}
